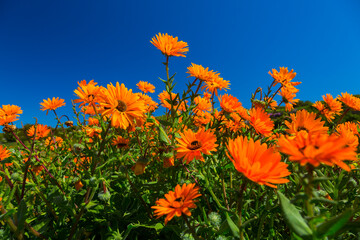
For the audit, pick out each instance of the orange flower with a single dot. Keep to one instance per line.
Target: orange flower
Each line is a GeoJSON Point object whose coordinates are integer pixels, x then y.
{"type": "Point", "coordinates": [93, 121]}
{"type": "Point", "coordinates": [78, 185]}
{"type": "Point", "coordinates": [346, 131]}
{"type": "Point", "coordinates": [178, 202]}
{"type": "Point", "coordinates": [169, 45]}
{"type": "Point", "coordinates": [284, 77]}
{"type": "Point", "coordinates": [315, 148]}
{"type": "Point", "coordinates": [41, 131]}
{"type": "Point", "coordinates": [120, 142]}
{"type": "Point", "coordinates": [261, 121]}
{"type": "Point", "coordinates": [350, 101]}
{"type": "Point", "coordinates": [168, 162]}
{"type": "Point", "coordinates": [330, 108]}
{"type": "Point", "coordinates": [93, 131]}
{"type": "Point", "coordinates": [202, 104]}
{"type": "Point", "coordinates": [124, 107]}
{"type": "Point", "coordinates": [217, 83]}
{"type": "Point", "coordinates": [150, 104]}
{"type": "Point", "coordinates": [4, 153]}
{"type": "Point", "coordinates": [201, 73]}
{"type": "Point", "coordinates": [288, 98]}
{"type": "Point", "coordinates": [88, 93]}
{"type": "Point", "coordinates": [305, 121]}
{"type": "Point", "coordinates": [257, 162]}
{"type": "Point", "coordinates": [146, 87]}
{"type": "Point", "coordinates": [52, 104]}
{"type": "Point", "coordinates": [229, 103]}
{"type": "Point", "coordinates": [165, 101]}
{"type": "Point", "coordinates": [9, 113]}
{"type": "Point", "coordinates": [192, 145]}
{"type": "Point", "coordinates": [270, 102]}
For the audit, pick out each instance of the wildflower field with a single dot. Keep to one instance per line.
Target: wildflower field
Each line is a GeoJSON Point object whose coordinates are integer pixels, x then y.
{"type": "Point", "coordinates": [208, 168]}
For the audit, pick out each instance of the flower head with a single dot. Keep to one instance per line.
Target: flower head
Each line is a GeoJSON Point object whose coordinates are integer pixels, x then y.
{"type": "Point", "coordinates": [9, 113]}
{"type": "Point", "coordinates": [169, 45]}
{"type": "Point", "coordinates": [178, 202]}
{"type": "Point", "coordinates": [261, 121]}
{"type": "Point", "coordinates": [305, 121]}
{"type": "Point", "coordinates": [41, 131]}
{"type": "Point", "coordinates": [350, 101]}
{"type": "Point", "coordinates": [317, 148]}
{"type": "Point", "coordinates": [146, 87]}
{"type": "Point", "coordinates": [4, 153]}
{"type": "Point", "coordinates": [257, 162]}
{"type": "Point", "coordinates": [52, 104]}
{"type": "Point", "coordinates": [229, 103]}
{"type": "Point", "coordinates": [124, 107]}
{"type": "Point", "coordinates": [192, 145]}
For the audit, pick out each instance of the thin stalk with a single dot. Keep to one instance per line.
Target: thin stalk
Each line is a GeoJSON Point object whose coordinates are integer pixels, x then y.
{"type": "Point", "coordinates": [190, 227]}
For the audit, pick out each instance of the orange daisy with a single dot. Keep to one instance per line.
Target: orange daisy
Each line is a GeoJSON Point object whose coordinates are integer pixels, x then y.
{"type": "Point", "coordinates": [192, 145]}
{"type": "Point", "coordinates": [288, 98]}
{"type": "Point", "coordinates": [284, 77]}
{"type": "Point", "coordinates": [165, 101]}
{"type": "Point", "coordinates": [346, 131]}
{"type": "Point", "coordinates": [120, 142]}
{"type": "Point", "coordinates": [330, 108]}
{"type": "Point", "coordinates": [41, 131]}
{"type": "Point", "coordinates": [261, 121]}
{"type": "Point", "coordinates": [178, 202]}
{"type": "Point", "coordinates": [305, 121]}
{"type": "Point", "coordinates": [316, 149]}
{"type": "Point", "coordinates": [88, 93]}
{"type": "Point", "coordinates": [169, 45]}
{"type": "Point", "coordinates": [201, 73]}
{"type": "Point", "coordinates": [151, 105]}
{"type": "Point", "coordinates": [9, 113]}
{"type": "Point", "coordinates": [146, 87]}
{"type": "Point", "coordinates": [257, 162]}
{"type": "Point", "coordinates": [202, 104]}
{"type": "Point", "coordinates": [93, 121]}
{"type": "Point", "coordinates": [52, 104]}
{"type": "Point", "coordinates": [54, 142]}
{"type": "Point", "coordinates": [217, 83]}
{"type": "Point", "coordinates": [229, 103]}
{"type": "Point", "coordinates": [4, 153]}
{"type": "Point", "coordinates": [124, 107]}
{"type": "Point", "coordinates": [350, 101]}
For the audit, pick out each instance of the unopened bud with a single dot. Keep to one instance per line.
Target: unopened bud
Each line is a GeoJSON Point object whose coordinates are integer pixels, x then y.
{"type": "Point", "coordinates": [69, 123]}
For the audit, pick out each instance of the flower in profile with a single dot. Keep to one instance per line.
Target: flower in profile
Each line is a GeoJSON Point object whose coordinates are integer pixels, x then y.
{"type": "Point", "coordinates": [261, 121]}
{"type": "Point", "coordinates": [257, 162]}
{"type": "Point", "coordinates": [93, 131]}
{"type": "Point", "coordinates": [93, 121]}
{"type": "Point", "coordinates": [217, 83]}
{"type": "Point", "coordinates": [166, 102]}
{"type": "Point", "coordinates": [305, 121]}
{"type": "Point", "coordinates": [317, 148]}
{"type": "Point", "coordinates": [41, 131]}
{"type": "Point", "coordinates": [284, 77]}
{"type": "Point", "coordinates": [151, 105]}
{"type": "Point", "coordinates": [9, 113]}
{"type": "Point", "coordinates": [120, 142]}
{"type": "Point", "coordinates": [270, 102]}
{"type": "Point", "coordinates": [169, 45]}
{"type": "Point", "coordinates": [348, 133]}
{"type": "Point", "coordinates": [192, 145]}
{"type": "Point", "coordinates": [146, 87]}
{"type": "Point", "coordinates": [329, 108]}
{"type": "Point", "coordinates": [202, 104]}
{"type": "Point", "coordinates": [4, 153]}
{"type": "Point", "coordinates": [178, 202]}
{"type": "Point", "coordinates": [88, 93]}
{"type": "Point", "coordinates": [199, 72]}
{"type": "Point", "coordinates": [78, 185]}
{"type": "Point", "coordinates": [124, 107]}
{"type": "Point", "coordinates": [229, 103]}
{"type": "Point", "coordinates": [350, 100]}
{"type": "Point", "coordinates": [52, 104]}
{"type": "Point", "coordinates": [288, 98]}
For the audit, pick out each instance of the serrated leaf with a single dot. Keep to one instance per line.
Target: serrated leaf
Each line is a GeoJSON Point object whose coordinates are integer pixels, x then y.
{"type": "Point", "coordinates": [293, 218]}
{"type": "Point", "coordinates": [331, 226]}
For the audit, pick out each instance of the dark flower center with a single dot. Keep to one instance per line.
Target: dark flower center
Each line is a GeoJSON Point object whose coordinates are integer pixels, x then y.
{"type": "Point", "coordinates": [121, 145]}
{"type": "Point", "coordinates": [121, 106]}
{"type": "Point", "coordinates": [91, 97]}
{"type": "Point", "coordinates": [195, 145]}
{"type": "Point", "coordinates": [302, 128]}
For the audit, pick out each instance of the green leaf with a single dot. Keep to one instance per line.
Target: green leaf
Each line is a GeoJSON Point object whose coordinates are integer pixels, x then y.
{"type": "Point", "coordinates": [163, 137]}
{"type": "Point", "coordinates": [21, 215]}
{"type": "Point", "coordinates": [292, 216]}
{"type": "Point", "coordinates": [331, 226]}
{"type": "Point", "coordinates": [234, 229]}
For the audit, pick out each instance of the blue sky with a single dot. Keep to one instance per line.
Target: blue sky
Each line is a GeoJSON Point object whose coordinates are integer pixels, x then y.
{"type": "Point", "coordinates": [46, 47]}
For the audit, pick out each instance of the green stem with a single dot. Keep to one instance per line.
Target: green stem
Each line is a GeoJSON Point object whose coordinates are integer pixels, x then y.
{"type": "Point", "coordinates": [191, 228]}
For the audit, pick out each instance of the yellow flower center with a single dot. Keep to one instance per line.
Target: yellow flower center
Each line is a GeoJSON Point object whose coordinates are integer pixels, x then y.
{"type": "Point", "coordinates": [122, 107]}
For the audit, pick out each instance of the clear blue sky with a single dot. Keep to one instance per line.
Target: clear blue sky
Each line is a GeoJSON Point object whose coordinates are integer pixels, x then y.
{"type": "Point", "coordinates": [46, 47]}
